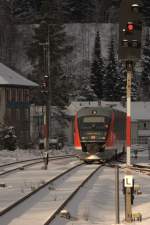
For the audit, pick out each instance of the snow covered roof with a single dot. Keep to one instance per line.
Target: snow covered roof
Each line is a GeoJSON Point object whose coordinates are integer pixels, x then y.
{"type": "Point", "coordinates": [139, 110]}
{"type": "Point", "coordinates": [12, 78]}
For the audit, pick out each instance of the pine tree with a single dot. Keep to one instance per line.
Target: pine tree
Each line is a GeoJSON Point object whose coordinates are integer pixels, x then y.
{"type": "Point", "coordinates": [145, 11]}
{"type": "Point", "coordinates": [8, 35]}
{"type": "Point", "coordinates": [54, 34]}
{"type": "Point", "coordinates": [134, 88]}
{"type": "Point", "coordinates": [110, 91]}
{"type": "Point", "coordinates": [97, 69]}
{"type": "Point", "coordinates": [86, 92]}
{"type": "Point", "coordinates": [22, 9]}
{"type": "Point", "coordinates": [121, 79]}
{"type": "Point", "coordinates": [79, 10]}
{"type": "Point", "coordinates": [145, 79]}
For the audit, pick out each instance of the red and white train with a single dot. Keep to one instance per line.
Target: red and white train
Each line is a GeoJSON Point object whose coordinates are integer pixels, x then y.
{"type": "Point", "coordinates": [99, 133]}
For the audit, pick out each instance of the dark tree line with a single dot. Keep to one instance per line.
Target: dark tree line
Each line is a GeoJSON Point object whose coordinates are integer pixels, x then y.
{"type": "Point", "coordinates": [46, 52]}
{"type": "Point", "coordinates": [71, 10]}
{"type": "Point", "coordinates": [145, 78]}
{"type": "Point", "coordinates": [97, 69]}
{"type": "Point", "coordinates": [108, 80]}
{"type": "Point", "coordinates": [55, 12]}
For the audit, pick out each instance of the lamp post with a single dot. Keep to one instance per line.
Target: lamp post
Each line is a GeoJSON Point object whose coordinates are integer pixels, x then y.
{"type": "Point", "coordinates": [47, 111]}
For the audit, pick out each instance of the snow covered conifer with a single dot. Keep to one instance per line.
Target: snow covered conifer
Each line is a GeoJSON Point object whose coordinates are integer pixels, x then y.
{"type": "Point", "coordinates": [110, 92]}
{"type": "Point", "coordinates": [97, 69]}
{"type": "Point", "coordinates": [145, 79]}
{"type": "Point", "coordinates": [79, 10]}
{"type": "Point", "coordinates": [51, 31]}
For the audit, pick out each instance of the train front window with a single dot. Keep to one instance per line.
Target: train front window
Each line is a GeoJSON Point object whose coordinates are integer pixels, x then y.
{"type": "Point", "coordinates": [93, 123]}
{"type": "Point", "coordinates": [93, 119]}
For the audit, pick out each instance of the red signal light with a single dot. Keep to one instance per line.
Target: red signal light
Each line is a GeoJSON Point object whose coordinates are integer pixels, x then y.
{"type": "Point", "coordinates": [130, 27]}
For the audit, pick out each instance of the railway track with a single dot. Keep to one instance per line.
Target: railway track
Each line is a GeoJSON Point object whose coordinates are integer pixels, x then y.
{"type": "Point", "coordinates": [43, 204]}
{"type": "Point", "coordinates": [141, 168]}
{"type": "Point", "coordinates": [145, 169]}
{"type": "Point", "coordinates": [20, 165]}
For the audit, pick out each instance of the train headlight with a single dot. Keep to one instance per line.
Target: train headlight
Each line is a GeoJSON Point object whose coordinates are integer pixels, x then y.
{"type": "Point", "coordinates": [94, 112]}
{"type": "Point", "coordinates": [83, 138]}
{"type": "Point", "coordinates": [93, 137]}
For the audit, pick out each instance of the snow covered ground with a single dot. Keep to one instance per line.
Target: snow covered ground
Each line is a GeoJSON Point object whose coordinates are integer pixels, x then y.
{"type": "Point", "coordinates": [95, 203]}
{"type": "Point", "coordinates": [21, 154]}
{"type": "Point", "coordinates": [98, 204]}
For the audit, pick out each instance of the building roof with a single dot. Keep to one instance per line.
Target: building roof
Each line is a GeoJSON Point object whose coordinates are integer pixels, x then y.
{"type": "Point", "coordinates": [9, 77]}
{"type": "Point", "coordinates": [139, 110]}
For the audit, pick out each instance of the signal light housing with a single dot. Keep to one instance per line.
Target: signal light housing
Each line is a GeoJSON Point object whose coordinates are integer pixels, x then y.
{"type": "Point", "coordinates": [125, 43]}
{"type": "Point", "coordinates": [130, 30]}
{"type": "Point", "coordinates": [133, 43]}
{"type": "Point", "coordinates": [135, 7]}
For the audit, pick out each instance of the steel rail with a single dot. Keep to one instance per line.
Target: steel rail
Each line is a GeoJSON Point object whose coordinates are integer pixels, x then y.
{"type": "Point", "coordinates": [7, 209]}
{"type": "Point", "coordinates": [34, 159]}
{"type": "Point", "coordinates": [33, 163]}
{"type": "Point", "coordinates": [62, 206]}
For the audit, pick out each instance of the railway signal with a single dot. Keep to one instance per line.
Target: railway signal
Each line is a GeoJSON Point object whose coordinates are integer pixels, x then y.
{"type": "Point", "coordinates": [130, 30]}
{"type": "Point", "coordinates": [45, 84]}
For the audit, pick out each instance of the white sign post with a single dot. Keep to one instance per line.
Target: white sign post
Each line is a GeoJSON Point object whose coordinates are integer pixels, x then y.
{"type": "Point", "coordinates": [128, 181]}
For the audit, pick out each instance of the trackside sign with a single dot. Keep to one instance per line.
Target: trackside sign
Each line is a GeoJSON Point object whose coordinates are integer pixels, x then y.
{"type": "Point", "coordinates": [128, 181]}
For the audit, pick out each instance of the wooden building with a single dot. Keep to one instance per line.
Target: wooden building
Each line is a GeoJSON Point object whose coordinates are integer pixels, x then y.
{"type": "Point", "coordinates": [15, 102]}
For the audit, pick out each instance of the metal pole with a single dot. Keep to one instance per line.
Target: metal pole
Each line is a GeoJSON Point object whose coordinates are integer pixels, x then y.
{"type": "Point", "coordinates": [128, 208]}
{"type": "Point", "coordinates": [128, 115]}
{"type": "Point", "coordinates": [117, 195]}
{"type": "Point", "coordinates": [46, 108]}
{"type": "Point", "coordinates": [49, 87]}
{"type": "Point", "coordinates": [47, 113]}
{"type": "Point", "coordinates": [48, 102]}
{"type": "Point", "coordinates": [45, 138]}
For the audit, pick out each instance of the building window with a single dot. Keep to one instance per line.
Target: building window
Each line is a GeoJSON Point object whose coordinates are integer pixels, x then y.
{"type": "Point", "coordinates": [26, 95]}
{"type": "Point", "coordinates": [8, 94]}
{"type": "Point", "coordinates": [27, 114]}
{"type": "Point", "coordinates": [18, 114]}
{"type": "Point", "coordinates": [144, 125]}
{"type": "Point", "coordinates": [143, 140]}
{"type": "Point", "coordinates": [19, 94]}
{"type": "Point", "coordinates": [13, 94]}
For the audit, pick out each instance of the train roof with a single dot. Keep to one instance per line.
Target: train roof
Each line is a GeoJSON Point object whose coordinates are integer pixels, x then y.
{"type": "Point", "coordinates": [100, 110]}
{"type": "Point", "coordinates": [95, 110]}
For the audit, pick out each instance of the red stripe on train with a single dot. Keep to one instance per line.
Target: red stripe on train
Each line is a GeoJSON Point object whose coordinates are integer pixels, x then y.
{"type": "Point", "coordinates": [77, 143]}
{"type": "Point", "coordinates": [111, 135]}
